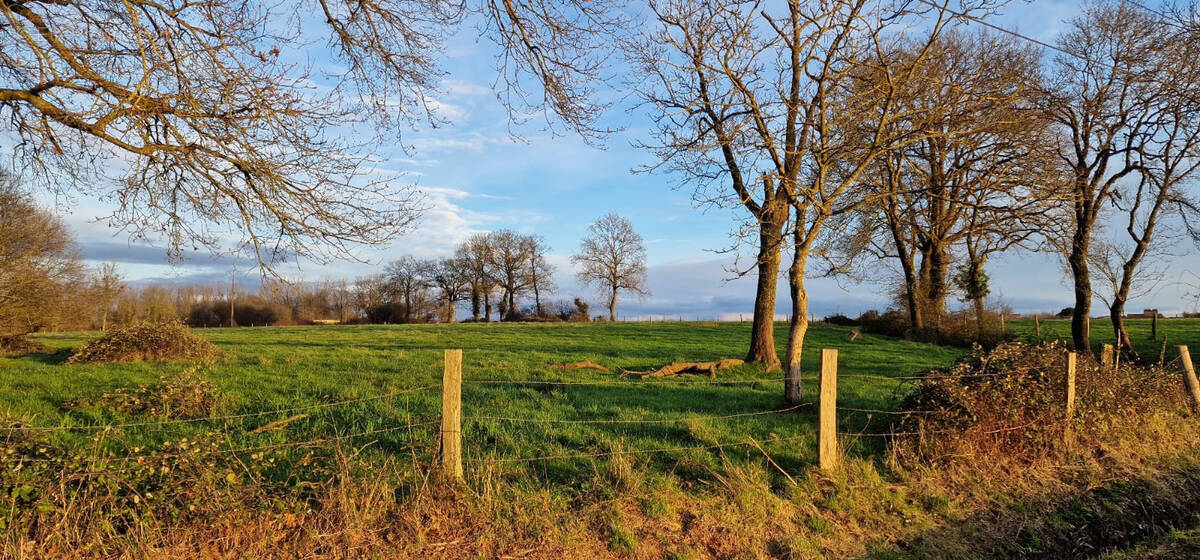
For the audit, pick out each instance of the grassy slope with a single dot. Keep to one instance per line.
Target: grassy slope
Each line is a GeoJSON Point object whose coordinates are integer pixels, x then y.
{"type": "Point", "coordinates": [286, 367]}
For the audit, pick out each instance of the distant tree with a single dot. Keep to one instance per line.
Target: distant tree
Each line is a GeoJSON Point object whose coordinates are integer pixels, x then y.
{"type": "Point", "coordinates": [612, 257]}
{"type": "Point", "coordinates": [508, 267]}
{"type": "Point", "coordinates": [107, 285]}
{"type": "Point", "coordinates": [475, 256]}
{"type": "Point", "coordinates": [541, 272]}
{"type": "Point", "coordinates": [449, 276]}
{"type": "Point", "coordinates": [39, 265]}
{"type": "Point", "coordinates": [406, 280]}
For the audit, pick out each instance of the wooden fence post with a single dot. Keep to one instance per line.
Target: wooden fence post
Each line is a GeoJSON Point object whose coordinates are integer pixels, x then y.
{"type": "Point", "coordinates": [452, 415]}
{"type": "Point", "coordinates": [827, 447]}
{"type": "Point", "coordinates": [1037, 327]}
{"type": "Point", "coordinates": [1067, 430]}
{"type": "Point", "coordinates": [1154, 326]}
{"type": "Point", "coordinates": [1003, 327]}
{"type": "Point", "coordinates": [1189, 375]}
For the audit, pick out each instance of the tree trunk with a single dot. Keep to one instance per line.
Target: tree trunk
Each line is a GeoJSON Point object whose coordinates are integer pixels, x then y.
{"type": "Point", "coordinates": [978, 302]}
{"type": "Point", "coordinates": [487, 306]}
{"type": "Point", "coordinates": [793, 387]}
{"type": "Point", "coordinates": [935, 289]}
{"type": "Point", "coordinates": [1080, 321]}
{"type": "Point", "coordinates": [612, 306]}
{"type": "Point", "coordinates": [475, 303]}
{"type": "Point", "coordinates": [762, 331]}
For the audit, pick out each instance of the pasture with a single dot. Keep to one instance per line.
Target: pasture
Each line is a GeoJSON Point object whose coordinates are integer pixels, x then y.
{"type": "Point", "coordinates": [323, 441]}
{"type": "Point", "coordinates": [505, 419]}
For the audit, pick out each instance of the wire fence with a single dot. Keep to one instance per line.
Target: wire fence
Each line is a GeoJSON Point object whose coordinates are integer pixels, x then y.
{"type": "Point", "coordinates": [459, 417]}
{"type": "Point", "coordinates": [224, 418]}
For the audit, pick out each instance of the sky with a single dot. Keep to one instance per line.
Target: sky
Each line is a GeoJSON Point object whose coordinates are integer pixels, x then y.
{"type": "Point", "coordinates": [481, 172]}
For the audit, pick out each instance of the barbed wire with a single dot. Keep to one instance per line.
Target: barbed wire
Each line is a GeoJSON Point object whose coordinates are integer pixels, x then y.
{"type": "Point", "coordinates": [642, 451]}
{"type": "Point", "coordinates": [945, 431]}
{"type": "Point", "coordinates": [219, 418]}
{"type": "Point", "coordinates": [631, 382]}
{"type": "Point", "coordinates": [250, 449]}
{"type": "Point", "coordinates": [656, 421]}
{"type": "Point", "coordinates": [892, 412]}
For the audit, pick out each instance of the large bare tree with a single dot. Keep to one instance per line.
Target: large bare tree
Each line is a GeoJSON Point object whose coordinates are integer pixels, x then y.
{"type": "Point", "coordinates": [612, 257]}
{"type": "Point", "coordinates": [40, 270]}
{"type": "Point", "coordinates": [1105, 95]}
{"type": "Point", "coordinates": [197, 118]}
{"type": "Point", "coordinates": [973, 184]}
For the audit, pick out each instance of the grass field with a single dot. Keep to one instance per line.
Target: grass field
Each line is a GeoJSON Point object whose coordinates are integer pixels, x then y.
{"type": "Point", "coordinates": [1176, 332]}
{"type": "Point", "coordinates": [559, 464]}
{"type": "Point", "coordinates": [281, 368]}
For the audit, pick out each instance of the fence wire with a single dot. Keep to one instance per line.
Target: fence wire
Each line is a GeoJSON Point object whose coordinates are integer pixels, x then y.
{"type": "Point", "coordinates": [237, 450]}
{"type": "Point", "coordinates": [655, 421]}
{"type": "Point", "coordinates": [219, 418]}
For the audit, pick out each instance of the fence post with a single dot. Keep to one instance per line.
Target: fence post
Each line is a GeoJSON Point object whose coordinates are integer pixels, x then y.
{"type": "Point", "coordinates": [1003, 326]}
{"type": "Point", "coordinates": [1154, 326]}
{"type": "Point", "coordinates": [1067, 431]}
{"type": "Point", "coordinates": [452, 415]}
{"type": "Point", "coordinates": [1037, 327]}
{"type": "Point", "coordinates": [827, 451]}
{"type": "Point", "coordinates": [1189, 375]}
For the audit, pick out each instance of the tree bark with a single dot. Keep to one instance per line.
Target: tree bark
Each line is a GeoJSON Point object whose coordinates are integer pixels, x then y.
{"type": "Point", "coordinates": [935, 289]}
{"type": "Point", "coordinates": [793, 387]}
{"type": "Point", "coordinates": [487, 306]}
{"type": "Point", "coordinates": [612, 306]}
{"type": "Point", "coordinates": [762, 331]}
{"type": "Point", "coordinates": [1080, 321]}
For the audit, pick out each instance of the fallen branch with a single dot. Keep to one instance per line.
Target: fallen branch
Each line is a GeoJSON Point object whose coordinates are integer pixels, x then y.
{"type": "Point", "coordinates": [677, 368]}
{"type": "Point", "coordinates": [580, 365]}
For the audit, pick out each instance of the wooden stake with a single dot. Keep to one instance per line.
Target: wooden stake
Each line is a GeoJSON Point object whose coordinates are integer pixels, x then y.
{"type": "Point", "coordinates": [1067, 430]}
{"type": "Point", "coordinates": [827, 448]}
{"type": "Point", "coordinates": [452, 415]}
{"type": "Point", "coordinates": [1154, 326]}
{"type": "Point", "coordinates": [1037, 327]}
{"type": "Point", "coordinates": [1189, 375]}
{"type": "Point", "coordinates": [1106, 355]}
{"type": "Point", "coordinates": [1003, 327]}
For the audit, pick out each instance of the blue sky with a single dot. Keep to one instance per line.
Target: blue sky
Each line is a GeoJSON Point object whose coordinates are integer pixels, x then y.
{"type": "Point", "coordinates": [477, 176]}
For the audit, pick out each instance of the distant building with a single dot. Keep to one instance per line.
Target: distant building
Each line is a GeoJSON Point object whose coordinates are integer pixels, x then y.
{"type": "Point", "coordinates": [1145, 314]}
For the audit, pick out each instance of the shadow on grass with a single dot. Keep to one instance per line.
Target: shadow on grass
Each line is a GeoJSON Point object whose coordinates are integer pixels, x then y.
{"type": "Point", "coordinates": [52, 358]}
{"type": "Point", "coordinates": [1092, 524]}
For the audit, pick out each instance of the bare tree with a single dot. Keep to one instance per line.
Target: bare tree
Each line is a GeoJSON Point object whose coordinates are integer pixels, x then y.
{"type": "Point", "coordinates": [1105, 96]}
{"type": "Point", "coordinates": [39, 266]}
{"type": "Point", "coordinates": [508, 267]}
{"type": "Point", "coordinates": [475, 254]}
{"type": "Point", "coordinates": [450, 277]}
{"type": "Point", "coordinates": [217, 123]}
{"type": "Point", "coordinates": [407, 279]}
{"type": "Point", "coordinates": [973, 182]}
{"type": "Point", "coordinates": [107, 285]}
{"type": "Point", "coordinates": [541, 272]}
{"type": "Point", "coordinates": [612, 257]}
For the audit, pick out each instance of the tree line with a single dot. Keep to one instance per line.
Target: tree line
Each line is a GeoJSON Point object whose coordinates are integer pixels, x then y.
{"type": "Point", "coordinates": [500, 275]}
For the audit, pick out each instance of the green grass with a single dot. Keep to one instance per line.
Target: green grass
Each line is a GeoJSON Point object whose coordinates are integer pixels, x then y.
{"type": "Point", "coordinates": [276, 368]}
{"type": "Point", "coordinates": [1176, 332]}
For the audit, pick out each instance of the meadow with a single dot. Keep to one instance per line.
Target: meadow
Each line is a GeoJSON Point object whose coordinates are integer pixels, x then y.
{"type": "Point", "coordinates": [324, 441]}
{"type": "Point", "coordinates": [505, 419]}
